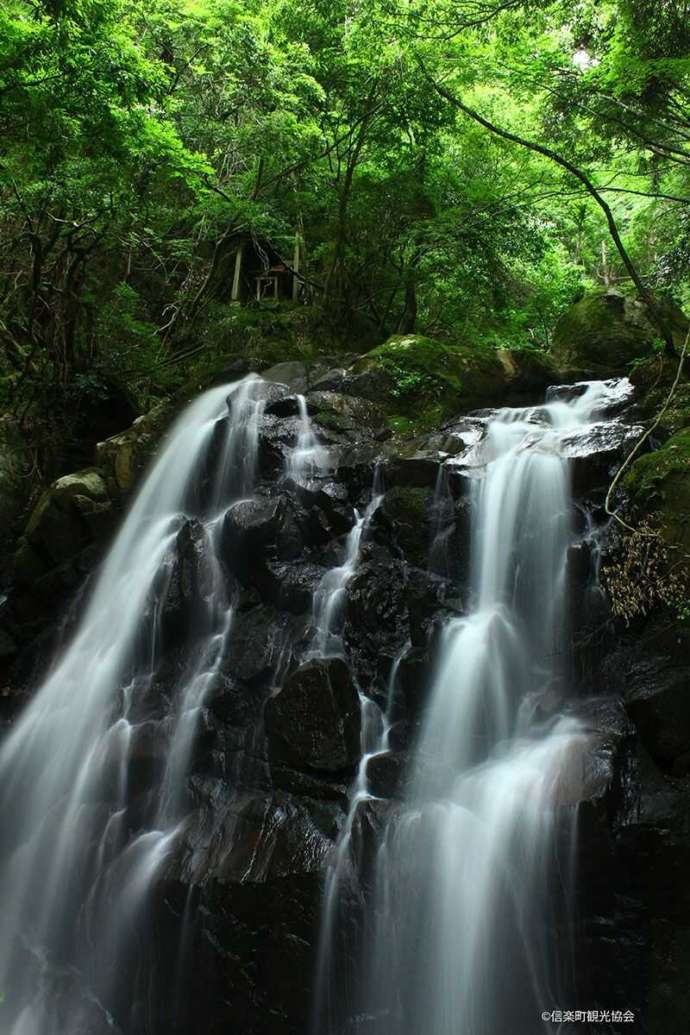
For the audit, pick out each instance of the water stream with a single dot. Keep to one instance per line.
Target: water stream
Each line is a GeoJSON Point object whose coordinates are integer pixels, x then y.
{"type": "Point", "coordinates": [464, 900]}
{"type": "Point", "coordinates": [460, 890]}
{"type": "Point", "coordinates": [79, 851]}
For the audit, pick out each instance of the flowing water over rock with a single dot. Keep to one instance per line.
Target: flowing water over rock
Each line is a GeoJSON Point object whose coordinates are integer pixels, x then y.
{"type": "Point", "coordinates": [258, 639]}
{"type": "Point", "coordinates": [464, 888]}
{"type": "Point", "coordinates": [79, 849]}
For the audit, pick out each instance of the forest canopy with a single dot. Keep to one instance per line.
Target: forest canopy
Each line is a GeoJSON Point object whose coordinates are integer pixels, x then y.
{"type": "Point", "coordinates": [142, 142]}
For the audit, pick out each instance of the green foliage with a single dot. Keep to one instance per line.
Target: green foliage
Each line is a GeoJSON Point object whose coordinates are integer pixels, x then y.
{"type": "Point", "coordinates": [142, 142]}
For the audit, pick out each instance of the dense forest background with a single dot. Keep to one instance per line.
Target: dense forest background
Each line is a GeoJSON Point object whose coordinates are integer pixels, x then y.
{"type": "Point", "coordinates": [458, 167]}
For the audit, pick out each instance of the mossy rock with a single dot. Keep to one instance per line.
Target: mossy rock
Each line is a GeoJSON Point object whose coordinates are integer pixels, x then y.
{"type": "Point", "coordinates": [606, 331]}
{"type": "Point", "coordinates": [123, 457]}
{"type": "Point", "coordinates": [660, 482]}
{"type": "Point", "coordinates": [425, 381]}
{"type": "Point", "coordinates": [653, 378]}
{"type": "Point", "coordinates": [62, 523]}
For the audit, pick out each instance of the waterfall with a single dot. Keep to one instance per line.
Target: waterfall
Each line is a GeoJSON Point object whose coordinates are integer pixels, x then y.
{"type": "Point", "coordinates": [329, 598]}
{"type": "Point", "coordinates": [309, 458]}
{"type": "Point", "coordinates": [78, 852]}
{"type": "Point", "coordinates": [464, 898]}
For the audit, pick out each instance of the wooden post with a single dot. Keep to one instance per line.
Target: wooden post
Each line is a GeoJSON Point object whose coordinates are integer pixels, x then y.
{"type": "Point", "coordinates": [235, 296]}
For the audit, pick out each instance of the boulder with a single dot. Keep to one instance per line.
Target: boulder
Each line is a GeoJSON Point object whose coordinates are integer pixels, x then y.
{"type": "Point", "coordinates": [404, 515]}
{"type": "Point", "coordinates": [259, 642]}
{"type": "Point", "coordinates": [293, 374]}
{"type": "Point", "coordinates": [313, 722]}
{"type": "Point", "coordinates": [349, 414]}
{"type": "Point", "coordinates": [606, 330]}
{"type": "Point", "coordinates": [425, 381]}
{"type": "Point", "coordinates": [188, 582]}
{"type": "Point", "coordinates": [123, 457]}
{"type": "Point", "coordinates": [70, 515]}
{"type": "Point", "coordinates": [385, 774]}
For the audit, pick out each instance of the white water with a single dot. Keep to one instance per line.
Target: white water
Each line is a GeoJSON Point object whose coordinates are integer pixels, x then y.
{"type": "Point", "coordinates": [309, 458]}
{"type": "Point", "coordinates": [75, 865]}
{"type": "Point", "coordinates": [329, 598]}
{"type": "Point", "coordinates": [465, 906]}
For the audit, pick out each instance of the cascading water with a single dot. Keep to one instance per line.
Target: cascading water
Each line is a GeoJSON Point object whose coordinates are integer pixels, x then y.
{"type": "Point", "coordinates": [464, 905]}
{"type": "Point", "coordinates": [78, 851]}
{"type": "Point", "coordinates": [309, 458]}
{"type": "Point", "coordinates": [329, 597]}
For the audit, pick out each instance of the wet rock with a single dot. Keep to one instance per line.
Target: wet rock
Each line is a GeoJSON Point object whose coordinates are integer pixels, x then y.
{"type": "Point", "coordinates": [653, 676]}
{"type": "Point", "coordinates": [595, 453]}
{"type": "Point", "coordinates": [431, 600]}
{"type": "Point", "coordinates": [293, 585]}
{"type": "Point", "coordinates": [285, 406]}
{"type": "Point", "coordinates": [385, 774]}
{"type": "Point", "coordinates": [249, 526]}
{"type": "Point", "coordinates": [376, 612]}
{"type": "Point", "coordinates": [277, 438]}
{"type": "Point", "coordinates": [259, 645]}
{"type": "Point", "coordinates": [418, 469]}
{"type": "Point", "coordinates": [403, 517]}
{"type": "Point", "coordinates": [253, 862]}
{"type": "Point", "coordinates": [331, 380]}
{"type": "Point", "coordinates": [187, 584]}
{"type": "Point", "coordinates": [658, 701]}
{"type": "Point", "coordinates": [347, 414]}
{"type": "Point", "coordinates": [415, 676]}
{"type": "Point", "coordinates": [313, 722]}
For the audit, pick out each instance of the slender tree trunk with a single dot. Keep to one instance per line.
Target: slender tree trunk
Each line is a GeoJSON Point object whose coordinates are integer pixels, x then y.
{"type": "Point", "coordinates": [645, 295]}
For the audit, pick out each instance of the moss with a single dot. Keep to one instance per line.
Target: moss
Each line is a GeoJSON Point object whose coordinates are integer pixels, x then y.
{"type": "Point", "coordinates": [427, 381]}
{"type": "Point", "coordinates": [403, 426]}
{"type": "Point", "coordinates": [660, 482]}
{"type": "Point", "coordinates": [605, 331]}
{"type": "Point", "coordinates": [652, 379]}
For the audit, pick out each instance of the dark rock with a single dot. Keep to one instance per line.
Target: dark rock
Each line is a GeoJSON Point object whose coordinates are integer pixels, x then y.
{"type": "Point", "coordinates": [8, 648]}
{"type": "Point", "coordinates": [376, 612]}
{"type": "Point", "coordinates": [415, 676]}
{"type": "Point", "coordinates": [404, 516]}
{"type": "Point", "coordinates": [313, 722]}
{"type": "Point", "coordinates": [293, 585]}
{"type": "Point", "coordinates": [286, 406]}
{"type": "Point", "coordinates": [658, 701]}
{"type": "Point", "coordinates": [187, 583]}
{"type": "Point", "coordinates": [347, 414]}
{"type": "Point", "coordinates": [277, 438]}
{"type": "Point", "coordinates": [259, 644]}
{"type": "Point", "coordinates": [653, 675]}
{"type": "Point", "coordinates": [419, 470]}
{"type": "Point", "coordinates": [330, 381]}
{"type": "Point", "coordinates": [385, 774]}
{"type": "Point", "coordinates": [249, 526]}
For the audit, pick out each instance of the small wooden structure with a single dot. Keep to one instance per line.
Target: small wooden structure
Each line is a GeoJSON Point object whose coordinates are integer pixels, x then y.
{"type": "Point", "coordinates": [261, 274]}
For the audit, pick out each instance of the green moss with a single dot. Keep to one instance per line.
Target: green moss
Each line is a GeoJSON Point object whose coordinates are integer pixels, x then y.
{"type": "Point", "coordinates": [660, 481]}
{"type": "Point", "coordinates": [403, 426]}
{"type": "Point", "coordinates": [606, 331]}
{"type": "Point", "coordinates": [427, 381]}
